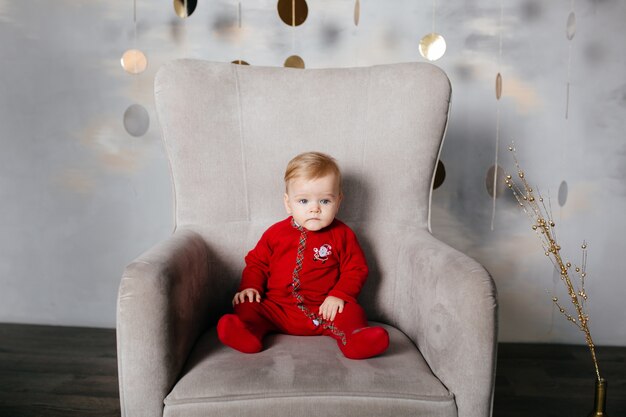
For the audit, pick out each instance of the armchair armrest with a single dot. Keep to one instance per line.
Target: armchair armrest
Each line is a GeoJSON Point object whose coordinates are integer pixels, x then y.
{"type": "Point", "coordinates": [162, 308]}
{"type": "Point", "coordinates": [446, 303]}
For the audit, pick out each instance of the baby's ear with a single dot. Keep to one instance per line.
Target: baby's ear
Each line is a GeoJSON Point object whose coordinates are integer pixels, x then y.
{"type": "Point", "coordinates": [286, 201]}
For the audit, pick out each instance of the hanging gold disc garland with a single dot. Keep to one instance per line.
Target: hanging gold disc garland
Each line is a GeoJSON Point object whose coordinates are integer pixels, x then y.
{"type": "Point", "coordinates": [294, 61]}
{"type": "Point", "coordinates": [292, 12]}
{"type": "Point", "coordinates": [136, 120]}
{"type": "Point", "coordinates": [134, 61]}
{"type": "Point", "coordinates": [185, 8]}
{"type": "Point", "coordinates": [432, 46]}
{"type": "Point", "coordinates": [357, 12]}
{"type": "Point", "coordinates": [239, 62]}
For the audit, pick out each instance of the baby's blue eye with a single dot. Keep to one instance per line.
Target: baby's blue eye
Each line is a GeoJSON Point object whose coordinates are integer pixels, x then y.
{"type": "Point", "coordinates": [303, 201]}
{"type": "Point", "coordinates": [325, 201]}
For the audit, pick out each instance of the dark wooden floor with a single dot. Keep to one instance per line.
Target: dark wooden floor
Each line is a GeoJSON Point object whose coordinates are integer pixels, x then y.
{"type": "Point", "coordinates": [70, 371]}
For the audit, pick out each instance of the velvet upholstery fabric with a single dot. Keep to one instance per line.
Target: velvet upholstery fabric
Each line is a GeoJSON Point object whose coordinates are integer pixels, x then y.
{"type": "Point", "coordinates": [229, 132]}
{"type": "Point", "coordinates": [300, 369]}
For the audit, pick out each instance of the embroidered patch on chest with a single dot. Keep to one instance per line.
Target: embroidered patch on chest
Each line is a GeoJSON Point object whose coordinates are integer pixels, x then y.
{"type": "Point", "coordinates": [322, 253]}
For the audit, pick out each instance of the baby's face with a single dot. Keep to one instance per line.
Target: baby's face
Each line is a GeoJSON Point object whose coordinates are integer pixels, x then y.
{"type": "Point", "coordinates": [313, 203]}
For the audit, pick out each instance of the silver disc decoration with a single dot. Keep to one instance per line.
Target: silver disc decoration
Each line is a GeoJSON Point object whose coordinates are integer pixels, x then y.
{"type": "Point", "coordinates": [563, 190]}
{"type": "Point", "coordinates": [498, 86]}
{"type": "Point", "coordinates": [136, 120]}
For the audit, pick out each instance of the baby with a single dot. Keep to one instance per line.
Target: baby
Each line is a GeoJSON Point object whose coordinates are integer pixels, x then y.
{"type": "Point", "coordinates": [304, 275]}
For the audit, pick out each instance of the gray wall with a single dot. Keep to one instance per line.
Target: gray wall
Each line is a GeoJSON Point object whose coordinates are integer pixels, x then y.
{"type": "Point", "coordinates": [80, 197]}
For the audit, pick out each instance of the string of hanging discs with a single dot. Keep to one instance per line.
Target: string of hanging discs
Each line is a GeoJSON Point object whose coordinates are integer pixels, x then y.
{"type": "Point", "coordinates": [239, 26]}
{"type": "Point", "coordinates": [494, 189]}
{"type": "Point", "coordinates": [293, 13]}
{"type": "Point", "coordinates": [570, 31]}
{"type": "Point", "coordinates": [432, 46]}
{"type": "Point", "coordinates": [136, 119]}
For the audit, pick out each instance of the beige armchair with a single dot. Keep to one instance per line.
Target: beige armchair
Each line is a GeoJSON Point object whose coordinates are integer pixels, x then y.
{"type": "Point", "coordinates": [229, 131]}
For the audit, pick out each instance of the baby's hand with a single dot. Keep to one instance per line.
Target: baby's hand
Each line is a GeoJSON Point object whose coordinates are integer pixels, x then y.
{"type": "Point", "coordinates": [251, 293]}
{"type": "Point", "coordinates": [330, 307]}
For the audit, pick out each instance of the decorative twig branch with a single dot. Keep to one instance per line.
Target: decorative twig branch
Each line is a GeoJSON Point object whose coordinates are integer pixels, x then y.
{"type": "Point", "coordinates": [540, 216]}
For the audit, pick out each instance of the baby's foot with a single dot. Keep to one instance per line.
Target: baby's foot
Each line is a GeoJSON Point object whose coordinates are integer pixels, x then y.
{"type": "Point", "coordinates": [365, 342]}
{"type": "Point", "coordinates": [234, 333]}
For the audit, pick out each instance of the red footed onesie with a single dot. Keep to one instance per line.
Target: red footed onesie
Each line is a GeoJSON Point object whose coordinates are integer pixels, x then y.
{"type": "Point", "coordinates": [294, 270]}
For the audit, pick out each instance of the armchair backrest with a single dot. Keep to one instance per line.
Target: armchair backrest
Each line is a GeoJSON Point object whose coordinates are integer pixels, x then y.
{"type": "Point", "coordinates": [230, 130]}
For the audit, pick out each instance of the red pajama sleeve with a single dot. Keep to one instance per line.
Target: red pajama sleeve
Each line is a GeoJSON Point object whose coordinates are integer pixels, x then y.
{"type": "Point", "coordinates": [352, 268]}
{"type": "Point", "coordinates": [257, 268]}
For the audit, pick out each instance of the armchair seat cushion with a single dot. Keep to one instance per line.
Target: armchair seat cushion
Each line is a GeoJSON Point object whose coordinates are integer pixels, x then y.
{"type": "Point", "coordinates": [297, 373]}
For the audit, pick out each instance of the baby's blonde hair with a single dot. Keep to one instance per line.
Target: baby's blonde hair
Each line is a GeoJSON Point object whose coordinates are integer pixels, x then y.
{"type": "Point", "coordinates": [312, 165]}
